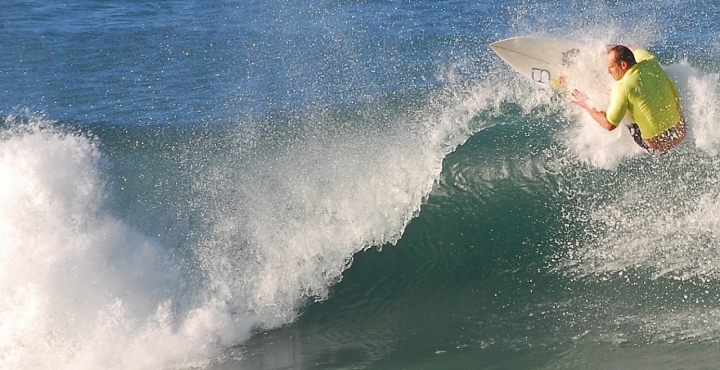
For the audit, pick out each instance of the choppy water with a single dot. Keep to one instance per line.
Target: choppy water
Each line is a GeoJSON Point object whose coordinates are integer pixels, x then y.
{"type": "Point", "coordinates": [362, 184]}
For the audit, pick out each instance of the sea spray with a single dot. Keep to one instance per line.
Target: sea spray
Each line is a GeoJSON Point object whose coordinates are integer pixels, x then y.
{"type": "Point", "coordinates": [699, 93]}
{"type": "Point", "coordinates": [287, 223]}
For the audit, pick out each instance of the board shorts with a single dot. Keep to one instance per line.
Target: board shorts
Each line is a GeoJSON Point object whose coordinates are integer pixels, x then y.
{"type": "Point", "coordinates": [675, 133]}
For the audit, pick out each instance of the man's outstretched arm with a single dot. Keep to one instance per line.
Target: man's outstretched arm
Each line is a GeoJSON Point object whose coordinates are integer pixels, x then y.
{"type": "Point", "coordinates": [579, 98]}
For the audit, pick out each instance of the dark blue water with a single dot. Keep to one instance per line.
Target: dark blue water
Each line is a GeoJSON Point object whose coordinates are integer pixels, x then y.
{"type": "Point", "coordinates": [345, 185]}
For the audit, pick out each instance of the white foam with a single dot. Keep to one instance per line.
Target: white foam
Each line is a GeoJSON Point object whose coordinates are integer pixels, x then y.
{"type": "Point", "coordinates": [78, 289]}
{"type": "Point", "coordinates": [699, 93]}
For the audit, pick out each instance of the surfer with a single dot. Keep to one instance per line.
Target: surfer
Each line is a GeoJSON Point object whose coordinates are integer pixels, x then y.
{"type": "Point", "coordinates": [645, 90]}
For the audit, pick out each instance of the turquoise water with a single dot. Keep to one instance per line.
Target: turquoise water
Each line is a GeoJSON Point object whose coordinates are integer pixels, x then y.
{"type": "Point", "coordinates": [352, 185]}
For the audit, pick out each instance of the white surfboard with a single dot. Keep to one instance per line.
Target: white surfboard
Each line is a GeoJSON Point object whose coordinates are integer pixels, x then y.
{"type": "Point", "coordinates": [548, 61]}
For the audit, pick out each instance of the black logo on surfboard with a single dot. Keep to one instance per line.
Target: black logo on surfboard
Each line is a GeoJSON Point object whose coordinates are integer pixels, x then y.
{"type": "Point", "coordinates": [569, 57]}
{"type": "Point", "coordinates": [541, 75]}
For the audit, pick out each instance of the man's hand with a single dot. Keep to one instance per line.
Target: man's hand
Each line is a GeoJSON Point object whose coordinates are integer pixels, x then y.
{"type": "Point", "coordinates": [578, 97]}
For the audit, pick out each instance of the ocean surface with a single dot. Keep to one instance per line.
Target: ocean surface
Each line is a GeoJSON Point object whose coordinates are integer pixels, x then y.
{"type": "Point", "coordinates": [354, 184]}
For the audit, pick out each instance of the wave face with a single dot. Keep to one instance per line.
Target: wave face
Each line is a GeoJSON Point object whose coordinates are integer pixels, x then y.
{"type": "Point", "coordinates": [355, 185]}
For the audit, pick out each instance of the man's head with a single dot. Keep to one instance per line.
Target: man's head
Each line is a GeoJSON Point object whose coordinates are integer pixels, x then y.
{"type": "Point", "coordinates": [619, 60]}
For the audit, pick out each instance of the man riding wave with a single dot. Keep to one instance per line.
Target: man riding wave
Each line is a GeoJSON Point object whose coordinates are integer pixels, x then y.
{"type": "Point", "coordinates": [645, 90]}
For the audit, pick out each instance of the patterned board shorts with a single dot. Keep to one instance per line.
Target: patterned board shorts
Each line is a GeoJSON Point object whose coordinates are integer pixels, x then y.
{"type": "Point", "coordinates": [663, 142]}
{"type": "Point", "coordinates": [635, 132]}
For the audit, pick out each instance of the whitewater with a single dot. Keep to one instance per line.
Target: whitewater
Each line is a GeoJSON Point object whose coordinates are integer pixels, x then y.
{"type": "Point", "coordinates": [359, 185]}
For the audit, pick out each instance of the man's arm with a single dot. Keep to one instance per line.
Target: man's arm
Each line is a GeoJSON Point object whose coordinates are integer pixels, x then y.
{"type": "Point", "coordinates": [580, 99]}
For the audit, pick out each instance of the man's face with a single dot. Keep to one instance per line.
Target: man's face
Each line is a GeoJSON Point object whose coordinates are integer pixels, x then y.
{"type": "Point", "coordinates": [616, 70]}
